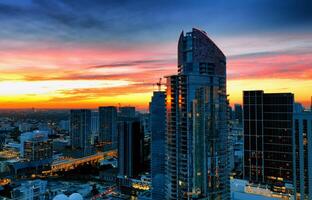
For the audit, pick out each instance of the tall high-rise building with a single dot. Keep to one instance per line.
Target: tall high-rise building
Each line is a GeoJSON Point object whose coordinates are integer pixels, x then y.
{"type": "Point", "coordinates": [268, 154]}
{"type": "Point", "coordinates": [302, 150]}
{"type": "Point", "coordinates": [196, 109]}
{"type": "Point", "coordinates": [80, 130]}
{"type": "Point", "coordinates": [108, 125]}
{"type": "Point", "coordinates": [130, 147]}
{"type": "Point", "coordinates": [157, 124]}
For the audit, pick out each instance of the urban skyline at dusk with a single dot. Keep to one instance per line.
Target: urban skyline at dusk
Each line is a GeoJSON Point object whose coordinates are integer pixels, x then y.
{"type": "Point", "coordinates": [71, 54]}
{"type": "Point", "coordinates": [154, 100]}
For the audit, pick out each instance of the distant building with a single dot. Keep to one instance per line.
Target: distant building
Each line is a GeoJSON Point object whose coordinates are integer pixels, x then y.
{"type": "Point", "coordinates": [145, 125]}
{"type": "Point", "coordinates": [126, 111]}
{"type": "Point", "coordinates": [32, 137]}
{"type": "Point", "coordinates": [298, 108]}
{"type": "Point", "coordinates": [94, 127]}
{"type": "Point", "coordinates": [80, 130]}
{"type": "Point", "coordinates": [158, 129]}
{"type": "Point", "coordinates": [37, 149]}
{"type": "Point", "coordinates": [95, 122]}
{"type": "Point", "coordinates": [2, 140]}
{"type": "Point", "coordinates": [236, 157]}
{"type": "Point", "coordinates": [130, 147]}
{"type": "Point", "coordinates": [243, 190]}
{"type": "Point", "coordinates": [64, 125]}
{"type": "Point", "coordinates": [24, 127]}
{"type": "Point", "coordinates": [30, 190]}
{"type": "Point", "coordinates": [268, 154]}
{"type": "Point", "coordinates": [238, 113]}
{"type": "Point", "coordinates": [108, 126]}
{"type": "Point", "coordinates": [302, 151]}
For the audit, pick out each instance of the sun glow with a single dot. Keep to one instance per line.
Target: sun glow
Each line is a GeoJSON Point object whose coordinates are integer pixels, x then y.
{"type": "Point", "coordinates": [13, 88]}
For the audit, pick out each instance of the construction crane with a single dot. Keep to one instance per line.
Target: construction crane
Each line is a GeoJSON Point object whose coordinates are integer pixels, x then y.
{"type": "Point", "coordinates": [159, 84]}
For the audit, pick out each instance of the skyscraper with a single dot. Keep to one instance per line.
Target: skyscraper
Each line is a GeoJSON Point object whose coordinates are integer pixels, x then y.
{"type": "Point", "coordinates": [157, 121]}
{"type": "Point", "coordinates": [80, 130]}
{"type": "Point", "coordinates": [302, 151]}
{"type": "Point", "coordinates": [108, 125]}
{"type": "Point", "coordinates": [196, 109]}
{"type": "Point", "coordinates": [268, 154]}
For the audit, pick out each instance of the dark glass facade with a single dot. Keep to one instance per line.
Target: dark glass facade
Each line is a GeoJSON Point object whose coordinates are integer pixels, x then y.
{"type": "Point", "coordinates": [80, 130]}
{"type": "Point", "coordinates": [108, 126]}
{"type": "Point", "coordinates": [302, 134]}
{"type": "Point", "coordinates": [268, 138]}
{"type": "Point", "coordinates": [130, 147]}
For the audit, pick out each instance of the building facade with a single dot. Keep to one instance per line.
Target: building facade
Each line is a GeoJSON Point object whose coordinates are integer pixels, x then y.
{"type": "Point", "coordinates": [108, 126]}
{"type": "Point", "coordinates": [238, 113]}
{"type": "Point", "coordinates": [95, 123]}
{"type": "Point", "coordinates": [157, 125]}
{"type": "Point", "coordinates": [126, 111]}
{"type": "Point", "coordinates": [130, 148]}
{"type": "Point", "coordinates": [36, 146]}
{"type": "Point", "coordinates": [196, 126]}
{"type": "Point", "coordinates": [80, 130]}
{"type": "Point", "coordinates": [268, 154]}
{"type": "Point", "coordinates": [302, 151]}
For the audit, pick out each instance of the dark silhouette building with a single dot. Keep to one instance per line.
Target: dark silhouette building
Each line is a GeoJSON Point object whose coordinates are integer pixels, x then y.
{"type": "Point", "coordinates": [268, 148]}
{"type": "Point", "coordinates": [196, 110]}
{"type": "Point", "coordinates": [80, 130]}
{"type": "Point", "coordinates": [130, 147]}
{"type": "Point", "coordinates": [126, 111]}
{"type": "Point", "coordinates": [108, 126]}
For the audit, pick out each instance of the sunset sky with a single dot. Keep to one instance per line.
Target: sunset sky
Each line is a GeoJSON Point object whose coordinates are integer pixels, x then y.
{"type": "Point", "coordinates": [83, 53]}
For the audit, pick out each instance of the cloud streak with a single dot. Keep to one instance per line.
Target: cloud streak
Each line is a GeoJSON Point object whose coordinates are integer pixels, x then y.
{"type": "Point", "coordinates": [82, 40]}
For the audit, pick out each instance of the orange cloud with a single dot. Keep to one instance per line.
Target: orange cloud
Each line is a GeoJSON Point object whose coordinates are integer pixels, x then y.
{"type": "Point", "coordinates": [40, 77]}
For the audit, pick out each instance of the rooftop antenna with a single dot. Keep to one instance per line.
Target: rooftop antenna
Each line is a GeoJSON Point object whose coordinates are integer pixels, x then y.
{"type": "Point", "coordinates": [159, 84]}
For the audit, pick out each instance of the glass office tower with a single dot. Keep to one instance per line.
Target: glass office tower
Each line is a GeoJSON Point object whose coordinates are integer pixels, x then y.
{"type": "Point", "coordinates": [80, 130]}
{"type": "Point", "coordinates": [108, 126]}
{"type": "Point", "coordinates": [302, 151]}
{"type": "Point", "coordinates": [268, 153]}
{"type": "Point", "coordinates": [196, 109]}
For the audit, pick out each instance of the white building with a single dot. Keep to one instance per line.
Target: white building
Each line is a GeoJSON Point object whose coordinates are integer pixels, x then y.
{"type": "Point", "coordinates": [242, 190]}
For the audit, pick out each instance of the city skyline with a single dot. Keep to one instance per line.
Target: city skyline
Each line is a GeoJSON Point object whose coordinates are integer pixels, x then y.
{"type": "Point", "coordinates": [84, 54]}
